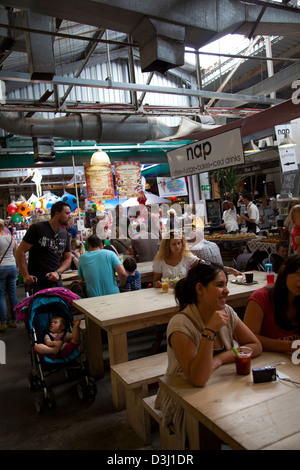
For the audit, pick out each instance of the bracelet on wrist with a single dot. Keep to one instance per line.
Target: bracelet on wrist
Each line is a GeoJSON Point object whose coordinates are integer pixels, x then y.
{"type": "Point", "coordinates": [212, 338]}
{"type": "Point", "coordinates": [212, 331]}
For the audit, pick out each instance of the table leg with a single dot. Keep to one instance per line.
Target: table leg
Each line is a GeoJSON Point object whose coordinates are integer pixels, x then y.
{"type": "Point", "coordinates": [94, 349]}
{"type": "Point", "coordinates": [118, 353]}
{"type": "Point", "coordinates": [199, 436]}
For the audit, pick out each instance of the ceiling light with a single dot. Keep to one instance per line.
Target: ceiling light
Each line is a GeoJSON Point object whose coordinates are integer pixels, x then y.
{"type": "Point", "coordinates": [99, 157]}
{"type": "Point", "coordinates": [251, 147]}
{"type": "Point", "coordinates": [287, 141]}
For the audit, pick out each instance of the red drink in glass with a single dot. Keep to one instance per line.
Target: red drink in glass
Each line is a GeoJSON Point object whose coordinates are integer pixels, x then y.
{"type": "Point", "coordinates": [270, 278]}
{"type": "Point", "coordinates": [243, 360]}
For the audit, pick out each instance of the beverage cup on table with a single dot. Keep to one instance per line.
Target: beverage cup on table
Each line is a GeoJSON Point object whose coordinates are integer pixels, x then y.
{"type": "Point", "coordinates": [270, 273]}
{"type": "Point", "coordinates": [240, 278]}
{"type": "Point", "coordinates": [249, 277]}
{"type": "Point", "coordinates": [243, 360]}
{"type": "Point", "coordinates": [165, 285]}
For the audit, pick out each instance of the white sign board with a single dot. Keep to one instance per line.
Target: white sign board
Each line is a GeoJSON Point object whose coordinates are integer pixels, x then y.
{"type": "Point", "coordinates": [287, 155]}
{"type": "Point", "coordinates": [168, 187]}
{"type": "Point", "coordinates": [288, 159]}
{"type": "Point", "coordinates": [221, 151]}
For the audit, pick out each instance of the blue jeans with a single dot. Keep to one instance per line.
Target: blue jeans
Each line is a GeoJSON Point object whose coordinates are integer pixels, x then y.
{"type": "Point", "coordinates": [8, 283]}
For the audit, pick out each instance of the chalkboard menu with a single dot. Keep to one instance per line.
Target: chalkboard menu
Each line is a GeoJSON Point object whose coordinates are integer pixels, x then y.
{"type": "Point", "coordinates": [290, 183]}
{"type": "Point", "coordinates": [213, 210]}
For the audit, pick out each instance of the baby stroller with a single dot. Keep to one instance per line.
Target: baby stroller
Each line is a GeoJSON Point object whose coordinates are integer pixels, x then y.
{"type": "Point", "coordinates": [250, 261]}
{"type": "Point", "coordinates": [37, 312]}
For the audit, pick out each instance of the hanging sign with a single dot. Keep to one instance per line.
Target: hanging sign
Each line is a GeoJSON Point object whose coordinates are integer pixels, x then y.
{"type": "Point", "coordinates": [220, 151]}
{"type": "Point", "coordinates": [99, 181]}
{"type": "Point", "coordinates": [168, 187]}
{"type": "Point", "coordinates": [287, 155]}
{"type": "Point", "coordinates": [128, 179]}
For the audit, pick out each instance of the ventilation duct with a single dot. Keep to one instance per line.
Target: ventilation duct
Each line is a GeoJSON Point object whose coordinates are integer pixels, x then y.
{"type": "Point", "coordinates": [105, 129]}
{"type": "Point", "coordinates": [161, 45]}
{"type": "Point", "coordinates": [39, 46]}
{"type": "Point", "coordinates": [43, 150]}
{"type": "Point", "coordinates": [101, 128]}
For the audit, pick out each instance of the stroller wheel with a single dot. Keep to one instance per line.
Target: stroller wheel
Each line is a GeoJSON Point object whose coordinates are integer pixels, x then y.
{"type": "Point", "coordinates": [40, 403]}
{"type": "Point", "coordinates": [87, 390]}
{"type": "Point", "coordinates": [50, 399]}
{"type": "Point", "coordinates": [34, 382]}
{"type": "Point", "coordinates": [43, 400]}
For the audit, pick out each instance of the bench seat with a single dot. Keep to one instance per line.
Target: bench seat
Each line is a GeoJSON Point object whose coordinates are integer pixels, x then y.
{"type": "Point", "coordinates": [136, 376]}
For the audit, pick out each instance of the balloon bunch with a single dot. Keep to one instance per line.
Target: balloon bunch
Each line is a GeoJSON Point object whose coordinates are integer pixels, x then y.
{"type": "Point", "coordinates": [94, 206]}
{"type": "Point", "coordinates": [19, 210]}
{"type": "Point", "coordinates": [39, 206]}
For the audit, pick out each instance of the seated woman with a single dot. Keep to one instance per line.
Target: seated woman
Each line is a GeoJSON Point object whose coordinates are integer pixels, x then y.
{"type": "Point", "coordinates": [201, 336]}
{"type": "Point", "coordinates": [173, 258]}
{"type": "Point", "coordinates": [273, 312]}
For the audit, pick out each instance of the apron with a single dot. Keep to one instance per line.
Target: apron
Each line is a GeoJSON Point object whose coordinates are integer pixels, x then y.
{"type": "Point", "coordinates": [251, 226]}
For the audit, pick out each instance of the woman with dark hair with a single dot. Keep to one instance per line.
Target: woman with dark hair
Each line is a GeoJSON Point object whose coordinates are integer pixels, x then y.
{"type": "Point", "coordinates": [201, 336]}
{"type": "Point", "coordinates": [273, 312]}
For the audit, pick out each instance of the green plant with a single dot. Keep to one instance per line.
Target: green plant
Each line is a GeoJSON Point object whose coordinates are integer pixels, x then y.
{"type": "Point", "coordinates": [229, 181]}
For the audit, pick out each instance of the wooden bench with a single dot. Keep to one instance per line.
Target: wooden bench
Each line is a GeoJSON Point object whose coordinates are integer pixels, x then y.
{"type": "Point", "coordinates": [136, 376]}
{"type": "Point", "coordinates": [168, 439]}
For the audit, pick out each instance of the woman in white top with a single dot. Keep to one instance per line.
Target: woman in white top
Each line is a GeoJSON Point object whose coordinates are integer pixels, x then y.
{"type": "Point", "coordinates": [173, 258]}
{"type": "Point", "coordinates": [8, 277]}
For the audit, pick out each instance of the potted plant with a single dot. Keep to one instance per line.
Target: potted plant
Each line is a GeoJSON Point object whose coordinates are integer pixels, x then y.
{"type": "Point", "coordinates": [229, 182]}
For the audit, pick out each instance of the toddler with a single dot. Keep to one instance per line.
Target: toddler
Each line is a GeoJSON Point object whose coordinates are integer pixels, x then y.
{"type": "Point", "coordinates": [295, 232]}
{"type": "Point", "coordinates": [57, 343]}
{"type": "Point", "coordinates": [133, 281]}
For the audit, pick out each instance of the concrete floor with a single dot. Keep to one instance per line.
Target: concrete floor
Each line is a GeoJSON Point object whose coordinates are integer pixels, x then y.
{"type": "Point", "coordinates": [72, 424]}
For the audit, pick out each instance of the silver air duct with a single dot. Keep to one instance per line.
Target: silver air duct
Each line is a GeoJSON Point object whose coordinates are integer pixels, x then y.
{"type": "Point", "coordinates": [105, 129]}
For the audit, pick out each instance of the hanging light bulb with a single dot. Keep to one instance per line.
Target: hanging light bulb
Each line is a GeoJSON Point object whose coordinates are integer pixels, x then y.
{"type": "Point", "coordinates": [251, 147]}
{"type": "Point", "coordinates": [99, 157]}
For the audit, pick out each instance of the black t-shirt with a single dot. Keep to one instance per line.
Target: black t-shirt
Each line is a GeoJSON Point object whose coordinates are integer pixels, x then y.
{"type": "Point", "coordinates": [45, 255]}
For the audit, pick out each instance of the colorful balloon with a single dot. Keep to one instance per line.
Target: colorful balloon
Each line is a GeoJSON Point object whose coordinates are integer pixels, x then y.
{"type": "Point", "coordinates": [71, 200]}
{"type": "Point", "coordinates": [16, 217]}
{"type": "Point", "coordinates": [25, 209]}
{"type": "Point", "coordinates": [12, 208]}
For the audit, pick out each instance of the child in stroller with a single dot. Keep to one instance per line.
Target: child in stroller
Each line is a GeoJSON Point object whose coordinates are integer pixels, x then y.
{"type": "Point", "coordinates": [58, 343]}
{"type": "Point", "coordinates": [50, 310]}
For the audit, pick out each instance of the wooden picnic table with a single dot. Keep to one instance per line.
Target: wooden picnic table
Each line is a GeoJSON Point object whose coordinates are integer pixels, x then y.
{"type": "Point", "coordinates": [118, 314]}
{"type": "Point", "coordinates": [231, 408]}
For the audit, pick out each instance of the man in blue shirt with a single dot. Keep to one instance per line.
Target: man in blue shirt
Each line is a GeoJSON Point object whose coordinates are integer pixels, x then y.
{"type": "Point", "coordinates": [97, 267]}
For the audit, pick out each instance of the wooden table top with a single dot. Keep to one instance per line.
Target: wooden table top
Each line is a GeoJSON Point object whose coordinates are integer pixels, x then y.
{"type": "Point", "coordinates": [126, 307]}
{"type": "Point", "coordinates": [244, 414]}
{"type": "Point", "coordinates": [144, 269]}
{"type": "Point", "coordinates": [69, 275]}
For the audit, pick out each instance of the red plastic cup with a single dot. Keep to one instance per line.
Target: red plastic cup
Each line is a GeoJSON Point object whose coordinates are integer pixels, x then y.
{"type": "Point", "coordinates": [270, 278]}
{"type": "Point", "coordinates": [243, 360]}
